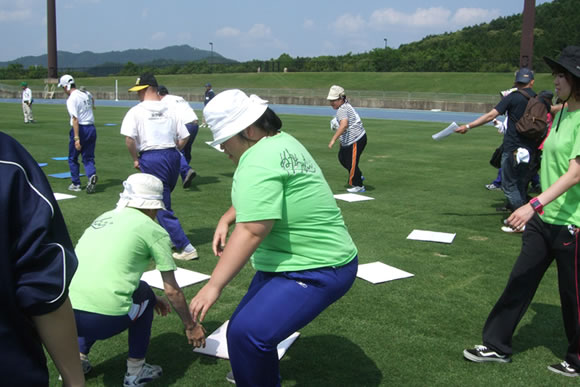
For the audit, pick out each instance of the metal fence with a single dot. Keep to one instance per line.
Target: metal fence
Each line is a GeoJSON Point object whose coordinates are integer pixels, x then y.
{"type": "Point", "coordinates": [196, 94]}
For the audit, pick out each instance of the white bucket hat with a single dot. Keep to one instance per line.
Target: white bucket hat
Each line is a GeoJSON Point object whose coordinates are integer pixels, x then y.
{"type": "Point", "coordinates": [335, 92]}
{"type": "Point", "coordinates": [66, 81]}
{"type": "Point", "coordinates": [230, 112]}
{"type": "Point", "coordinates": [143, 191]}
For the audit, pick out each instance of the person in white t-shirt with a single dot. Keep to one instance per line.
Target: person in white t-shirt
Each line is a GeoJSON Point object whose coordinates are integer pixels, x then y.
{"type": "Point", "coordinates": [27, 103]}
{"type": "Point", "coordinates": [89, 94]}
{"type": "Point", "coordinates": [82, 136]}
{"type": "Point", "coordinates": [154, 133]}
{"type": "Point", "coordinates": [190, 118]}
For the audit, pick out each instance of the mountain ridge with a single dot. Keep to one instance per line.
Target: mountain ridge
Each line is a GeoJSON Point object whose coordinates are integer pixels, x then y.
{"type": "Point", "coordinates": [87, 59]}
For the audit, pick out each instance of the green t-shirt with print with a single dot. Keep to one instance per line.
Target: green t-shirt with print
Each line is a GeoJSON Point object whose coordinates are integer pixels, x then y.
{"type": "Point", "coordinates": [561, 146]}
{"type": "Point", "coordinates": [113, 253]}
{"type": "Point", "coordinates": [278, 179]}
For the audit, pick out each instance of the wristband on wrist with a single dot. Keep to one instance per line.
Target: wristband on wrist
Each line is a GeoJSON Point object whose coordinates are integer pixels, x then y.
{"type": "Point", "coordinates": [467, 126]}
{"type": "Point", "coordinates": [537, 206]}
{"type": "Point", "coordinates": [77, 138]}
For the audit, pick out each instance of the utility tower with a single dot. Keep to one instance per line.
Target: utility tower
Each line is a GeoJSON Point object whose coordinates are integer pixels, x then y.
{"type": "Point", "coordinates": [527, 41]}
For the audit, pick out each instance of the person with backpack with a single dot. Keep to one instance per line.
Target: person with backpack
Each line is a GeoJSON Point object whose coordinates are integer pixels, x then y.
{"type": "Point", "coordinates": [518, 146]}
{"type": "Point", "coordinates": [551, 232]}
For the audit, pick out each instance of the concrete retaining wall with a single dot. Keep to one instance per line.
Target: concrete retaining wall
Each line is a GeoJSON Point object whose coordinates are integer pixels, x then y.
{"type": "Point", "coordinates": [386, 103]}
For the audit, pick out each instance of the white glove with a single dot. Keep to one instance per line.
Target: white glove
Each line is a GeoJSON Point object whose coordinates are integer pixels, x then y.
{"type": "Point", "coordinates": [500, 126]}
{"type": "Point", "coordinates": [522, 156]}
{"type": "Point", "coordinates": [334, 124]}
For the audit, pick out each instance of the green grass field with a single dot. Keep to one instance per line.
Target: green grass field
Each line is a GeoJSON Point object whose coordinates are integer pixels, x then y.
{"type": "Point", "coordinates": [406, 332]}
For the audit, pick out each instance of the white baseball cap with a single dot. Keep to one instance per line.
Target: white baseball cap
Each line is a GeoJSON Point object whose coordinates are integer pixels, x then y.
{"type": "Point", "coordinates": [335, 92]}
{"type": "Point", "coordinates": [230, 112]}
{"type": "Point", "coordinates": [143, 191]}
{"type": "Point", "coordinates": [66, 81]}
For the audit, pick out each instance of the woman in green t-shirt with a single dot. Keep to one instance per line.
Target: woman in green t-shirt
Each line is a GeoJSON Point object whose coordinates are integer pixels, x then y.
{"type": "Point", "coordinates": [287, 222]}
{"type": "Point", "coordinates": [551, 231]}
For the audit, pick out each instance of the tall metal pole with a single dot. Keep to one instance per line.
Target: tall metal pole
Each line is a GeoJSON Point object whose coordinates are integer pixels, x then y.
{"type": "Point", "coordinates": [211, 55]}
{"type": "Point", "coordinates": [527, 41]}
{"type": "Point", "coordinates": [51, 38]}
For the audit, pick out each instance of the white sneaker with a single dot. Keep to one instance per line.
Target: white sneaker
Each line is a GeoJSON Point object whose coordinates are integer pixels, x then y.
{"type": "Point", "coordinates": [185, 256]}
{"type": "Point", "coordinates": [147, 374]}
{"type": "Point", "coordinates": [230, 377]}
{"type": "Point", "coordinates": [92, 183]}
{"type": "Point", "coordinates": [356, 189]}
{"type": "Point", "coordinates": [74, 187]}
{"type": "Point", "coordinates": [86, 365]}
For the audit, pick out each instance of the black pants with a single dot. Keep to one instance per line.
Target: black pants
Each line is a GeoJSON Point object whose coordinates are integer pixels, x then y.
{"type": "Point", "coordinates": [541, 244]}
{"type": "Point", "coordinates": [349, 157]}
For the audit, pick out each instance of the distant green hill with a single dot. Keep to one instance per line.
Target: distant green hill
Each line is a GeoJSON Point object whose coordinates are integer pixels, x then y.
{"type": "Point", "coordinates": [88, 59]}
{"type": "Point", "coordinates": [487, 47]}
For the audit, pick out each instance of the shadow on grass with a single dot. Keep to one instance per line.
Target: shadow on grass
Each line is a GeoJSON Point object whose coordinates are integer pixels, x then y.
{"type": "Point", "coordinates": [102, 185]}
{"type": "Point", "coordinates": [166, 350]}
{"type": "Point", "coordinates": [470, 214]}
{"type": "Point", "coordinates": [545, 330]}
{"type": "Point", "coordinates": [328, 360]}
{"type": "Point", "coordinates": [199, 236]}
{"type": "Point", "coordinates": [200, 180]}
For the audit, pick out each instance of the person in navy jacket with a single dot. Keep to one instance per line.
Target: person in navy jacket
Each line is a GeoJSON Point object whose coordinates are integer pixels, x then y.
{"type": "Point", "coordinates": [37, 262]}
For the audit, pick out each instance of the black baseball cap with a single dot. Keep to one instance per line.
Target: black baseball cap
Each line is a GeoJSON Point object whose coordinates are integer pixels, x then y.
{"type": "Point", "coordinates": [144, 81]}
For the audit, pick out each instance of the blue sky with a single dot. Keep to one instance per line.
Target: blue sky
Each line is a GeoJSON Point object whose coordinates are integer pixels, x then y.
{"type": "Point", "coordinates": [239, 29]}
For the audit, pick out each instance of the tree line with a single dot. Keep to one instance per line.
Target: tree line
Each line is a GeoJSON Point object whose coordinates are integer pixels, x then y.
{"type": "Point", "coordinates": [487, 47]}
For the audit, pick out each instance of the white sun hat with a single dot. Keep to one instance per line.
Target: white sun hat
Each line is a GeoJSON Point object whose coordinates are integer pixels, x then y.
{"type": "Point", "coordinates": [66, 81]}
{"type": "Point", "coordinates": [335, 92]}
{"type": "Point", "coordinates": [143, 191]}
{"type": "Point", "coordinates": [230, 112]}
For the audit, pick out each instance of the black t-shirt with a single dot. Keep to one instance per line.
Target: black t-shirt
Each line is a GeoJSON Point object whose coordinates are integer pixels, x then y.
{"type": "Point", "coordinates": [514, 105]}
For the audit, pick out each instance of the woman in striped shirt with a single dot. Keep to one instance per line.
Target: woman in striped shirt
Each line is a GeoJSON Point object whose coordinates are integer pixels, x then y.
{"type": "Point", "coordinates": [352, 135]}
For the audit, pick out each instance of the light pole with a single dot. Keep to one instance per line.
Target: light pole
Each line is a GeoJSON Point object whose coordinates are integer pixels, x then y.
{"type": "Point", "coordinates": [385, 42]}
{"type": "Point", "coordinates": [211, 54]}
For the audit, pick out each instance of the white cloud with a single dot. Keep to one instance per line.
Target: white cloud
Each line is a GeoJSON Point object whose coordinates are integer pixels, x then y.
{"type": "Point", "coordinates": [157, 36]}
{"type": "Point", "coordinates": [16, 10]}
{"type": "Point", "coordinates": [422, 17]}
{"type": "Point", "coordinates": [308, 24]}
{"type": "Point", "coordinates": [348, 23]}
{"type": "Point", "coordinates": [258, 38]}
{"type": "Point", "coordinates": [15, 15]}
{"type": "Point", "coordinates": [227, 32]}
{"type": "Point", "coordinates": [259, 31]}
{"type": "Point", "coordinates": [471, 16]}
{"type": "Point", "coordinates": [431, 17]}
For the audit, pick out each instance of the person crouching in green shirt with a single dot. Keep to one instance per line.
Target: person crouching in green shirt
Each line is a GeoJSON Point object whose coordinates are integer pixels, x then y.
{"type": "Point", "coordinates": [286, 222]}
{"type": "Point", "coordinates": [106, 292]}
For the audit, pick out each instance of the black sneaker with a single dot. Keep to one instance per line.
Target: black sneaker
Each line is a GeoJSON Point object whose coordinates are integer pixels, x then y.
{"type": "Point", "coordinates": [480, 354]}
{"type": "Point", "coordinates": [565, 369]}
{"type": "Point", "coordinates": [92, 183]}
{"type": "Point", "coordinates": [191, 174]}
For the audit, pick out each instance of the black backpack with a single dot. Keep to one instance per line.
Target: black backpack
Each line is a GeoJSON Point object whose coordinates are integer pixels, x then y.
{"type": "Point", "coordinates": [533, 124]}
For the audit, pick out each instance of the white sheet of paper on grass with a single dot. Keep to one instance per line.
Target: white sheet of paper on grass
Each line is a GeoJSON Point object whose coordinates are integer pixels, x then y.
{"type": "Point", "coordinates": [61, 196]}
{"type": "Point", "coordinates": [216, 344]}
{"type": "Point", "coordinates": [182, 276]}
{"type": "Point", "coordinates": [351, 197]}
{"type": "Point", "coordinates": [216, 147]}
{"type": "Point", "coordinates": [445, 132]}
{"type": "Point", "coordinates": [431, 236]}
{"type": "Point", "coordinates": [377, 272]}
